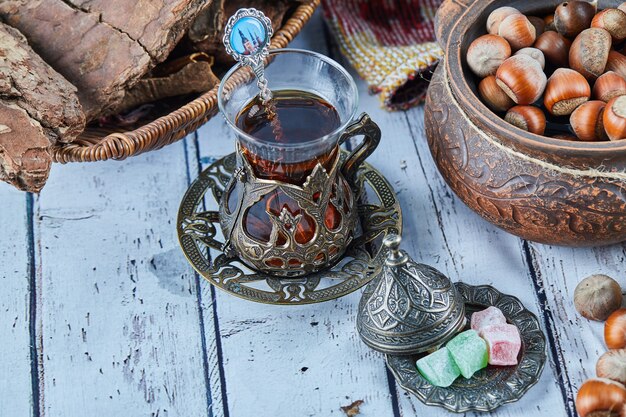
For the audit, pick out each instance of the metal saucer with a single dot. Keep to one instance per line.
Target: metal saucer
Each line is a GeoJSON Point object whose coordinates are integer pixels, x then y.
{"type": "Point", "coordinates": [201, 240]}
{"type": "Point", "coordinates": [493, 386]}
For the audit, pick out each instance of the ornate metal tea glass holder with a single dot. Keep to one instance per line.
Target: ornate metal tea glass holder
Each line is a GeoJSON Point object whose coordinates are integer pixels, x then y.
{"type": "Point", "coordinates": [199, 235]}
{"type": "Point", "coordinates": [311, 224]}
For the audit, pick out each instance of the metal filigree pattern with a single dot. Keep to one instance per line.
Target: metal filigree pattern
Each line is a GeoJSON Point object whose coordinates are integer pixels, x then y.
{"type": "Point", "coordinates": [494, 385]}
{"type": "Point", "coordinates": [285, 253]}
{"type": "Point", "coordinates": [410, 308]}
{"type": "Point", "coordinates": [378, 210]}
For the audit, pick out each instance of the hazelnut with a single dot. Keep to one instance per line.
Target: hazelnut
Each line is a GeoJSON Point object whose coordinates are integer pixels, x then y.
{"type": "Point", "coordinates": [528, 118]}
{"type": "Point", "coordinates": [597, 296]}
{"type": "Point", "coordinates": [588, 125]}
{"type": "Point", "coordinates": [608, 86]}
{"type": "Point", "coordinates": [538, 23]}
{"type": "Point", "coordinates": [497, 16]}
{"type": "Point", "coordinates": [613, 21]}
{"type": "Point", "coordinates": [612, 365]}
{"type": "Point", "coordinates": [571, 18]}
{"type": "Point", "coordinates": [590, 52]}
{"type": "Point", "coordinates": [615, 330]}
{"type": "Point", "coordinates": [549, 23]}
{"type": "Point", "coordinates": [600, 395]}
{"type": "Point", "coordinates": [518, 31]}
{"type": "Point", "coordinates": [555, 48]}
{"type": "Point", "coordinates": [615, 118]}
{"type": "Point", "coordinates": [616, 62]}
{"type": "Point", "coordinates": [535, 54]}
{"type": "Point", "coordinates": [565, 91]}
{"type": "Point", "coordinates": [565, 136]}
{"type": "Point", "coordinates": [522, 79]}
{"type": "Point", "coordinates": [486, 53]}
{"type": "Point", "coordinates": [493, 96]}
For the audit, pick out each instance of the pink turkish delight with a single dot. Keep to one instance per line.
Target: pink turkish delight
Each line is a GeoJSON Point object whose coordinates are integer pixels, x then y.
{"type": "Point", "coordinates": [487, 317]}
{"type": "Point", "coordinates": [503, 342]}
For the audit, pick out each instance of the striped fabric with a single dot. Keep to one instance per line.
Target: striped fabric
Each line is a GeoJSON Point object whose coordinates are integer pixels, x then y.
{"type": "Point", "coordinates": [390, 43]}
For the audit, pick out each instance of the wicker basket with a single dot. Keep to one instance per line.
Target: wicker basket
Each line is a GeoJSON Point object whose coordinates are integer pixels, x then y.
{"type": "Point", "coordinates": [96, 145]}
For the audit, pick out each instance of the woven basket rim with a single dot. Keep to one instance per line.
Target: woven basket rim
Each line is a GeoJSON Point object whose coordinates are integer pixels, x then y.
{"type": "Point", "coordinates": [177, 124]}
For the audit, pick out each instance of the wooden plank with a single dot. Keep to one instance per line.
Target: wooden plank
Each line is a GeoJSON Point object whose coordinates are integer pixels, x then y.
{"type": "Point", "coordinates": [119, 309]}
{"type": "Point", "coordinates": [16, 279]}
{"type": "Point", "coordinates": [280, 360]}
{"type": "Point", "coordinates": [578, 342]}
{"type": "Point", "coordinates": [211, 342]}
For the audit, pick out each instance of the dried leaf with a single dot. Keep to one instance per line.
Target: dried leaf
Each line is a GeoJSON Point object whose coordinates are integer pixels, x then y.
{"type": "Point", "coordinates": [352, 409]}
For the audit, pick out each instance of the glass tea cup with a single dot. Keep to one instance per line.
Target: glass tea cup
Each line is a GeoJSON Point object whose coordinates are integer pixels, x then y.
{"type": "Point", "coordinates": [290, 208]}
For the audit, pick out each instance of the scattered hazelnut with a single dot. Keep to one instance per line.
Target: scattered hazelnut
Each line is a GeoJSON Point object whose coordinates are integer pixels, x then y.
{"type": "Point", "coordinates": [600, 395]}
{"type": "Point", "coordinates": [549, 23]}
{"type": "Point", "coordinates": [616, 62]}
{"type": "Point", "coordinates": [609, 85]}
{"type": "Point", "coordinates": [495, 98]}
{"type": "Point", "coordinates": [590, 52]}
{"type": "Point", "coordinates": [612, 365]}
{"type": "Point", "coordinates": [565, 91]}
{"type": "Point", "coordinates": [615, 330]}
{"type": "Point", "coordinates": [535, 54]}
{"type": "Point", "coordinates": [518, 31]}
{"type": "Point", "coordinates": [538, 23]}
{"type": "Point", "coordinates": [597, 296]}
{"type": "Point", "coordinates": [588, 125]}
{"type": "Point", "coordinates": [555, 48]}
{"type": "Point", "coordinates": [528, 118]}
{"type": "Point", "coordinates": [571, 18]}
{"type": "Point", "coordinates": [497, 16]}
{"type": "Point", "coordinates": [522, 79]}
{"type": "Point", "coordinates": [486, 53]}
{"type": "Point", "coordinates": [615, 118]}
{"type": "Point", "coordinates": [613, 21]}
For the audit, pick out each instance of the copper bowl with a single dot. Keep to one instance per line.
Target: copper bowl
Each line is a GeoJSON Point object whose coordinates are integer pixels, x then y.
{"type": "Point", "coordinates": [539, 188]}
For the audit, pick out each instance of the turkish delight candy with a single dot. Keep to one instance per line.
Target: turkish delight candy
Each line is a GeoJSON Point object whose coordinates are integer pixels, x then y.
{"type": "Point", "coordinates": [487, 317]}
{"type": "Point", "coordinates": [504, 343]}
{"type": "Point", "coordinates": [469, 352]}
{"type": "Point", "coordinates": [439, 368]}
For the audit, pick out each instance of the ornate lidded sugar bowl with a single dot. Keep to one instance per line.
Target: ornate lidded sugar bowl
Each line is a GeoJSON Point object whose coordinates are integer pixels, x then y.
{"type": "Point", "coordinates": [408, 308]}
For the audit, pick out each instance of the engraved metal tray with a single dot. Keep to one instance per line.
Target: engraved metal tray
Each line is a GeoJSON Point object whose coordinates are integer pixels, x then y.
{"type": "Point", "coordinates": [200, 238]}
{"type": "Point", "coordinates": [493, 386]}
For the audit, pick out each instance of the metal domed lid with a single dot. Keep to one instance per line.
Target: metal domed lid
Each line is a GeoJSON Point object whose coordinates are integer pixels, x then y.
{"type": "Point", "coordinates": [409, 308]}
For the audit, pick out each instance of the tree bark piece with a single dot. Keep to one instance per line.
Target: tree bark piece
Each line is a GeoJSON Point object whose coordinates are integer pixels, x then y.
{"type": "Point", "coordinates": [26, 80]}
{"type": "Point", "coordinates": [195, 77]}
{"type": "Point", "coordinates": [101, 57]}
{"type": "Point", "coordinates": [24, 157]}
{"type": "Point", "coordinates": [38, 107]}
{"type": "Point", "coordinates": [157, 25]}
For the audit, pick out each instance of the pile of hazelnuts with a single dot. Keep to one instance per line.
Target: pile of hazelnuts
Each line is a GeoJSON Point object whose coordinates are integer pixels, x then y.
{"type": "Point", "coordinates": [568, 67]}
{"type": "Point", "coordinates": [599, 297]}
